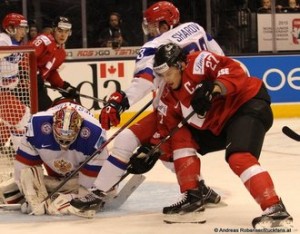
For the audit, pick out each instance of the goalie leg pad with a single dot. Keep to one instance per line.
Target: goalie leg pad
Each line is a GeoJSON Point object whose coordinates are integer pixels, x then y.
{"type": "Point", "coordinates": [34, 189]}
{"type": "Point", "coordinates": [10, 193]}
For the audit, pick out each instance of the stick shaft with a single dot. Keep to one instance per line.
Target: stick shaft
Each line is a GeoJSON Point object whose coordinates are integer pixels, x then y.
{"type": "Point", "coordinates": [80, 94]}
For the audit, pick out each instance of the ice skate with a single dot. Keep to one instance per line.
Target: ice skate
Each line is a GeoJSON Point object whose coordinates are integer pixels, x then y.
{"type": "Point", "coordinates": [91, 201]}
{"type": "Point", "coordinates": [275, 216]}
{"type": "Point", "coordinates": [190, 209]}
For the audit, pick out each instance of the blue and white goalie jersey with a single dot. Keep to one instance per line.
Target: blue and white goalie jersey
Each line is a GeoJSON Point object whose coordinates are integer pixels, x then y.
{"type": "Point", "coordinates": [39, 147]}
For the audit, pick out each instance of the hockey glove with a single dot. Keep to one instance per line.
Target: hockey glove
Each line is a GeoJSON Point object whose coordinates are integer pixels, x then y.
{"type": "Point", "coordinates": [202, 99]}
{"type": "Point", "coordinates": [110, 114]}
{"type": "Point", "coordinates": [69, 91]}
{"type": "Point", "coordinates": [141, 161]}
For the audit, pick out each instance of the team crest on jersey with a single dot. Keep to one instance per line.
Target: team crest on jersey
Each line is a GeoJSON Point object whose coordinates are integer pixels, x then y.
{"type": "Point", "coordinates": [62, 166]}
{"type": "Point", "coordinates": [46, 128]}
{"type": "Point", "coordinates": [85, 133]}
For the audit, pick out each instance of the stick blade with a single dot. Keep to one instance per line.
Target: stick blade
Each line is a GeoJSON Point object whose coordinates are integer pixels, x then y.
{"type": "Point", "coordinates": [290, 133]}
{"type": "Point", "coordinates": [132, 184]}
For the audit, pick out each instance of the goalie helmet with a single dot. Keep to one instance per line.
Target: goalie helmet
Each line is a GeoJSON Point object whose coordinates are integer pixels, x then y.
{"type": "Point", "coordinates": [66, 126]}
{"type": "Point", "coordinates": [161, 11]}
{"type": "Point", "coordinates": [12, 21]}
{"type": "Point", "coordinates": [168, 55]}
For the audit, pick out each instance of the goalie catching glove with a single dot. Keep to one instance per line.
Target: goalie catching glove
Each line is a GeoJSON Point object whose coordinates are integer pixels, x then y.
{"type": "Point", "coordinates": [143, 160]}
{"type": "Point", "coordinates": [110, 114]}
{"type": "Point", "coordinates": [69, 91]}
{"type": "Point", "coordinates": [203, 97]}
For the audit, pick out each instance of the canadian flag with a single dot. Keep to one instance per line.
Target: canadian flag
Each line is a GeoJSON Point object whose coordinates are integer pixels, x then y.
{"type": "Point", "coordinates": [111, 70]}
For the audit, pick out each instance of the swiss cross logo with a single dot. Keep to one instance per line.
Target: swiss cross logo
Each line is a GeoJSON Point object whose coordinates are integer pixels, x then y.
{"type": "Point", "coordinates": [111, 70]}
{"type": "Point", "coordinates": [296, 31]}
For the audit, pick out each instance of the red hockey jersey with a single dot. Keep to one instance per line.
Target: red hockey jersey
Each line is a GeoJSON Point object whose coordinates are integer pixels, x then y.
{"type": "Point", "coordinates": [238, 88]}
{"type": "Point", "coordinates": [49, 58]}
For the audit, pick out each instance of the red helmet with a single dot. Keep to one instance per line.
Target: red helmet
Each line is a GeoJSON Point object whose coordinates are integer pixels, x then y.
{"type": "Point", "coordinates": [14, 20]}
{"type": "Point", "coordinates": [162, 11]}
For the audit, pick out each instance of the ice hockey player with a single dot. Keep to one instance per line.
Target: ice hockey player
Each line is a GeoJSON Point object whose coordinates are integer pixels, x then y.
{"type": "Point", "coordinates": [59, 140]}
{"type": "Point", "coordinates": [15, 28]}
{"type": "Point", "coordinates": [13, 113]}
{"type": "Point", "coordinates": [161, 20]}
{"type": "Point", "coordinates": [50, 52]}
{"type": "Point", "coordinates": [219, 89]}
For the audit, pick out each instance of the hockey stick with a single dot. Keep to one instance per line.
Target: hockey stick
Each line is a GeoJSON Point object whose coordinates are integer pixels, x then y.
{"type": "Point", "coordinates": [291, 133]}
{"type": "Point", "coordinates": [156, 147]}
{"type": "Point", "coordinates": [133, 183]}
{"type": "Point", "coordinates": [99, 150]}
{"type": "Point", "coordinates": [80, 94]}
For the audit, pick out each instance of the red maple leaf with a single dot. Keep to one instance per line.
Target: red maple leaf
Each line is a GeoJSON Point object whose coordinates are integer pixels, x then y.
{"type": "Point", "coordinates": [112, 69]}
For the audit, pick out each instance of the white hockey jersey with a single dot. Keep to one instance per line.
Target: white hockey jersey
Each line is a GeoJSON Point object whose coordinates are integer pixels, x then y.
{"type": "Point", "coordinates": [189, 36]}
{"type": "Point", "coordinates": [9, 63]}
{"type": "Point", "coordinates": [39, 147]}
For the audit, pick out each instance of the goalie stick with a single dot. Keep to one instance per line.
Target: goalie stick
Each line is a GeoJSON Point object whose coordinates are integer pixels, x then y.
{"type": "Point", "coordinates": [291, 133]}
{"type": "Point", "coordinates": [99, 150]}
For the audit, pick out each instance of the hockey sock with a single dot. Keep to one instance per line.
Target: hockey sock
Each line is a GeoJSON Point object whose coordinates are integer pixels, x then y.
{"type": "Point", "coordinates": [187, 171]}
{"type": "Point", "coordinates": [255, 178]}
{"type": "Point", "coordinates": [110, 173]}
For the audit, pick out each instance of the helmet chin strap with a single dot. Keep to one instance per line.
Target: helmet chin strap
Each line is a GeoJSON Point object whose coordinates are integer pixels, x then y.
{"type": "Point", "coordinates": [11, 32]}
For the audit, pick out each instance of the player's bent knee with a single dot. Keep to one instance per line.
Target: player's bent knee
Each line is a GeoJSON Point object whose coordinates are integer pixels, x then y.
{"type": "Point", "coordinates": [125, 143]}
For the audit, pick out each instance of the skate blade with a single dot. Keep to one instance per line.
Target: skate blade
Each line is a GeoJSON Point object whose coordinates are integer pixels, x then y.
{"type": "Point", "coordinates": [216, 205]}
{"type": "Point", "coordinates": [10, 206]}
{"type": "Point", "coordinates": [267, 223]}
{"type": "Point", "coordinates": [192, 217]}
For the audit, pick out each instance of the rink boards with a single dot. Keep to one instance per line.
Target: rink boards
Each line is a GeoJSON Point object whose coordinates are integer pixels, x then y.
{"type": "Point", "coordinates": [100, 71]}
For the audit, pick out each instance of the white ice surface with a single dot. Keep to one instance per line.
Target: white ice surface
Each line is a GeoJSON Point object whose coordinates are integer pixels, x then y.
{"type": "Point", "coordinates": [141, 214]}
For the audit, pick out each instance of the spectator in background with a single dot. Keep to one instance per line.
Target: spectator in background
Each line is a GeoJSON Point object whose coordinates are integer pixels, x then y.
{"type": "Point", "coordinates": [47, 30]}
{"type": "Point", "coordinates": [114, 35]}
{"type": "Point", "coordinates": [33, 32]}
{"type": "Point", "coordinates": [293, 6]}
{"type": "Point", "coordinates": [266, 6]}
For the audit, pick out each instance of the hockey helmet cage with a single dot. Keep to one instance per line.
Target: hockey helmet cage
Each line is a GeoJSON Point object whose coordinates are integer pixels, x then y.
{"type": "Point", "coordinates": [62, 22]}
{"type": "Point", "coordinates": [162, 11]}
{"type": "Point", "coordinates": [12, 21]}
{"type": "Point", "coordinates": [166, 56]}
{"type": "Point", "coordinates": [66, 126]}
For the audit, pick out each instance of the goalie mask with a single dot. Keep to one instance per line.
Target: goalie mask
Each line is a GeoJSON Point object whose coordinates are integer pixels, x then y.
{"type": "Point", "coordinates": [169, 55]}
{"type": "Point", "coordinates": [162, 11]}
{"type": "Point", "coordinates": [66, 126]}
